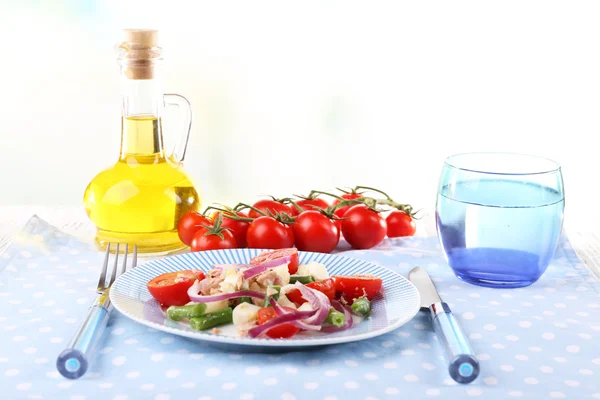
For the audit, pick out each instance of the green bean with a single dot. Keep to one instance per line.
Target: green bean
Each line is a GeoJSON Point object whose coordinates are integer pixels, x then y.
{"type": "Point", "coordinates": [275, 295]}
{"type": "Point", "coordinates": [361, 306]}
{"type": "Point", "coordinates": [335, 318]}
{"type": "Point", "coordinates": [303, 279]}
{"type": "Point", "coordinates": [177, 313]}
{"type": "Point", "coordinates": [210, 320]}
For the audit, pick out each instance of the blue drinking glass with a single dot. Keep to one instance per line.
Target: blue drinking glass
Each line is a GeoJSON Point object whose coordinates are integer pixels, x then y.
{"type": "Point", "coordinates": [499, 217]}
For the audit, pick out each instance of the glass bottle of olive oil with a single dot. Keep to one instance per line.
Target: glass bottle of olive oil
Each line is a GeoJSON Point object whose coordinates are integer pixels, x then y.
{"type": "Point", "coordinates": [140, 199]}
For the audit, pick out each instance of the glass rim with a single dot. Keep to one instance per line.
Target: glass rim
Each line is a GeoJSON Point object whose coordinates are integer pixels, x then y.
{"type": "Point", "coordinates": [555, 166]}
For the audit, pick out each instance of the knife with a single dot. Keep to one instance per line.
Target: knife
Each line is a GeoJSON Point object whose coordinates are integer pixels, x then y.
{"type": "Point", "coordinates": [462, 364]}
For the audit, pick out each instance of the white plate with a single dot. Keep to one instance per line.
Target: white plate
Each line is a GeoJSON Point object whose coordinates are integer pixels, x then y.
{"type": "Point", "coordinates": [398, 305]}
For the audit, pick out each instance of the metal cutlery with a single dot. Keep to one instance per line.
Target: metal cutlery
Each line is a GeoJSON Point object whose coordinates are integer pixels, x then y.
{"type": "Point", "coordinates": [463, 366]}
{"type": "Point", "coordinates": [74, 361]}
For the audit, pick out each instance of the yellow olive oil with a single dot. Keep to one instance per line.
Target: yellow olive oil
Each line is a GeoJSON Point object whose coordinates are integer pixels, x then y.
{"type": "Point", "coordinates": [140, 199]}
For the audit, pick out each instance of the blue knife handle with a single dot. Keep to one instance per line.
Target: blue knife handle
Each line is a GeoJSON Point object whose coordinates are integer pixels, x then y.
{"type": "Point", "coordinates": [462, 364]}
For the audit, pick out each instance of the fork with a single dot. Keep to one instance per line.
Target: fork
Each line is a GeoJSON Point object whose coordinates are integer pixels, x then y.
{"type": "Point", "coordinates": [74, 361]}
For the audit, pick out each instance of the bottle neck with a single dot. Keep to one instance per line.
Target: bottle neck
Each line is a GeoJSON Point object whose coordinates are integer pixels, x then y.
{"type": "Point", "coordinates": [141, 130]}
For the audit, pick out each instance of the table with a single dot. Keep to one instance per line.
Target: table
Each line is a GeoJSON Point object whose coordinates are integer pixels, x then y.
{"type": "Point", "coordinates": [536, 342]}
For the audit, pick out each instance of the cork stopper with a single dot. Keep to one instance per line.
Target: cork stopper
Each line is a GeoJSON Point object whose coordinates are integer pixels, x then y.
{"type": "Point", "coordinates": [139, 53]}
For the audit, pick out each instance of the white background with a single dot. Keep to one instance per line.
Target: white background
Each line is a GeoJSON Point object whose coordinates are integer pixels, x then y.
{"type": "Point", "coordinates": [290, 96]}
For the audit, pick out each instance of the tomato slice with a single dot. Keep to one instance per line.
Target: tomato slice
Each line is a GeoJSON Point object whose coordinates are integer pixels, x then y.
{"type": "Point", "coordinates": [353, 287]}
{"type": "Point", "coordinates": [327, 287]}
{"type": "Point", "coordinates": [271, 255]}
{"type": "Point", "coordinates": [283, 331]}
{"type": "Point", "coordinates": [170, 289]}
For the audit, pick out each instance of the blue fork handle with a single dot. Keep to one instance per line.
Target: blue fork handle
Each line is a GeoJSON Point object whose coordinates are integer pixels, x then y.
{"type": "Point", "coordinates": [73, 362]}
{"type": "Point", "coordinates": [462, 364]}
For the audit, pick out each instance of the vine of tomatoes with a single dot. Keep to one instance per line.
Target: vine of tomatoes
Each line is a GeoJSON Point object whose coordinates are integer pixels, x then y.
{"type": "Point", "coordinates": [363, 215]}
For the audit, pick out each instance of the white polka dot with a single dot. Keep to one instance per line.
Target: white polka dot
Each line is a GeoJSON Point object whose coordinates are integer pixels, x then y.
{"type": "Point", "coordinates": [247, 396]}
{"type": "Point", "coordinates": [573, 348]}
{"type": "Point", "coordinates": [40, 360]}
{"type": "Point", "coordinates": [213, 372]}
{"type": "Point", "coordinates": [287, 396]}
{"type": "Point", "coordinates": [432, 392]}
{"type": "Point", "coordinates": [411, 378]}
{"type": "Point", "coordinates": [82, 397]}
{"type": "Point", "coordinates": [475, 336]}
{"type": "Point", "coordinates": [392, 364]}
{"type": "Point", "coordinates": [515, 393]}
{"type": "Point", "coordinates": [493, 303]}
{"type": "Point", "coordinates": [507, 368]}
{"type": "Point", "coordinates": [418, 326]}
{"type": "Point", "coordinates": [560, 359]}
{"type": "Point", "coordinates": [333, 398]}
{"type": "Point", "coordinates": [490, 381]}
{"type": "Point", "coordinates": [498, 346]}
{"type": "Point", "coordinates": [502, 314]}
{"type": "Point", "coordinates": [252, 370]}
{"type": "Point", "coordinates": [387, 343]}
{"type": "Point", "coordinates": [11, 372]}
{"type": "Point", "coordinates": [586, 372]}
{"type": "Point", "coordinates": [549, 313]}
{"type": "Point", "coordinates": [473, 392]}
{"type": "Point", "coordinates": [526, 304]}
{"type": "Point", "coordinates": [408, 352]}
{"type": "Point", "coordinates": [37, 295]}
{"type": "Point", "coordinates": [351, 363]}
{"type": "Point", "coordinates": [424, 345]}
{"type": "Point", "coordinates": [572, 383]}
{"type": "Point", "coordinates": [489, 327]}
{"type": "Point", "coordinates": [428, 366]}
{"type": "Point", "coordinates": [557, 395]}
{"type": "Point", "coordinates": [560, 305]}
{"type": "Point", "coordinates": [196, 356]}
{"type": "Point", "coordinates": [56, 340]}
{"type": "Point", "coordinates": [449, 382]}
{"type": "Point", "coordinates": [3, 359]}
{"type": "Point", "coordinates": [53, 374]}
{"type": "Point", "coordinates": [468, 315]}
{"type": "Point", "coordinates": [403, 334]}
{"type": "Point", "coordinates": [546, 369]}
{"type": "Point", "coordinates": [521, 357]}
{"type": "Point", "coordinates": [45, 329]}
{"type": "Point", "coordinates": [18, 338]}
{"type": "Point", "coordinates": [157, 357]}
{"type": "Point", "coordinates": [548, 336]}
{"type": "Point", "coordinates": [313, 362]}
{"type": "Point", "coordinates": [162, 396]}
{"type": "Point", "coordinates": [369, 355]}
{"type": "Point", "coordinates": [561, 325]}
{"type": "Point", "coordinates": [311, 385]}
{"type": "Point", "coordinates": [147, 386]}
{"type": "Point", "coordinates": [105, 385]}
{"type": "Point", "coordinates": [392, 391]}
{"type": "Point", "coordinates": [525, 324]}
{"type": "Point", "coordinates": [229, 386]}
{"type": "Point", "coordinates": [512, 338]}
{"type": "Point", "coordinates": [70, 320]}
{"type": "Point", "coordinates": [133, 375]}
{"type": "Point", "coordinates": [167, 340]}
{"type": "Point", "coordinates": [64, 385]}
{"type": "Point", "coordinates": [531, 381]}
{"type": "Point", "coordinates": [332, 372]}
{"type": "Point", "coordinates": [189, 385]}
{"type": "Point", "coordinates": [270, 381]}
{"type": "Point", "coordinates": [118, 331]}
{"type": "Point", "coordinates": [24, 386]}
{"type": "Point", "coordinates": [351, 385]}
{"type": "Point", "coordinates": [483, 357]}
{"type": "Point", "coordinates": [30, 350]}
{"type": "Point", "coordinates": [535, 349]}
{"type": "Point", "coordinates": [106, 350]}
{"type": "Point", "coordinates": [582, 314]}
{"type": "Point", "coordinates": [371, 377]}
{"type": "Point", "coordinates": [119, 360]}
{"type": "Point", "coordinates": [173, 373]}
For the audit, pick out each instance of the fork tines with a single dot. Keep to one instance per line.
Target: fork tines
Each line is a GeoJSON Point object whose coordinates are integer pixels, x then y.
{"type": "Point", "coordinates": [102, 285]}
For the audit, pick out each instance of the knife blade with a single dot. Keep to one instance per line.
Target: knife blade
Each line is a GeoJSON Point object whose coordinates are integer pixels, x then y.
{"type": "Point", "coordinates": [463, 366]}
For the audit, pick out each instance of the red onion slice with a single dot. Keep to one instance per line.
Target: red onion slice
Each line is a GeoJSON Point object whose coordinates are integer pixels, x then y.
{"type": "Point", "coordinates": [253, 271]}
{"type": "Point", "coordinates": [300, 324]}
{"type": "Point", "coordinates": [318, 301]}
{"type": "Point", "coordinates": [279, 320]}
{"type": "Point", "coordinates": [347, 322]}
{"type": "Point", "coordinates": [194, 296]}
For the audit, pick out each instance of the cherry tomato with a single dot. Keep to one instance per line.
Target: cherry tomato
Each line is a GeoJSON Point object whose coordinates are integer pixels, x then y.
{"type": "Point", "coordinates": [362, 227]}
{"type": "Point", "coordinates": [271, 255]}
{"type": "Point", "coordinates": [268, 205]}
{"type": "Point", "coordinates": [353, 287]}
{"type": "Point", "coordinates": [313, 231]}
{"type": "Point", "coordinates": [189, 224]}
{"type": "Point", "coordinates": [399, 224]}
{"type": "Point", "coordinates": [327, 287]}
{"type": "Point", "coordinates": [170, 289]}
{"type": "Point", "coordinates": [238, 228]}
{"type": "Point", "coordinates": [279, 332]}
{"type": "Point", "coordinates": [342, 211]}
{"type": "Point", "coordinates": [267, 233]}
{"type": "Point", "coordinates": [204, 240]}
{"type": "Point", "coordinates": [307, 205]}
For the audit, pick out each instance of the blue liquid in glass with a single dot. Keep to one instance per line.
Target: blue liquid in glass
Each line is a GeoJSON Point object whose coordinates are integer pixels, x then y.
{"type": "Point", "coordinates": [499, 246]}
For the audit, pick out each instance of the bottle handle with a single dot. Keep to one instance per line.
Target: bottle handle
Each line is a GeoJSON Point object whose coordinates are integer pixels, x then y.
{"type": "Point", "coordinates": [185, 110]}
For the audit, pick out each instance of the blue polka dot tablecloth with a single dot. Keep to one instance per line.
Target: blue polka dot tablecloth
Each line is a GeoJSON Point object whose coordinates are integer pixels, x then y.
{"type": "Point", "coordinates": [539, 342]}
